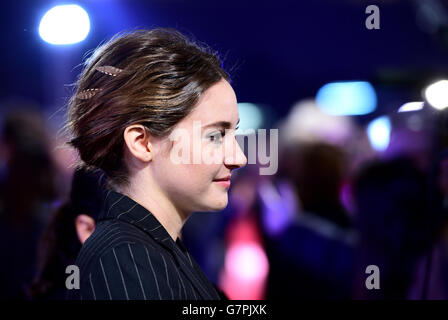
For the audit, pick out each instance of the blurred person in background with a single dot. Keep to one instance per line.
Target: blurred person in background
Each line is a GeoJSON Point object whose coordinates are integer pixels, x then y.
{"type": "Point", "coordinates": [312, 257]}
{"type": "Point", "coordinates": [72, 223]}
{"type": "Point", "coordinates": [392, 219]}
{"type": "Point", "coordinates": [318, 171]}
{"type": "Point", "coordinates": [431, 277]}
{"type": "Point", "coordinates": [26, 191]}
{"type": "Point", "coordinates": [399, 201]}
{"type": "Point", "coordinates": [309, 234]}
{"type": "Point", "coordinates": [246, 266]}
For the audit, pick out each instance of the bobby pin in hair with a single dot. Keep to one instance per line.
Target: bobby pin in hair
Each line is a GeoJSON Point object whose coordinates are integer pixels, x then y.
{"type": "Point", "coordinates": [109, 70]}
{"type": "Point", "coordinates": [87, 94]}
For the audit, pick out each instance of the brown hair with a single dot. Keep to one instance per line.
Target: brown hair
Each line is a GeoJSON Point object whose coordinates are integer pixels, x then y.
{"type": "Point", "coordinates": [162, 75]}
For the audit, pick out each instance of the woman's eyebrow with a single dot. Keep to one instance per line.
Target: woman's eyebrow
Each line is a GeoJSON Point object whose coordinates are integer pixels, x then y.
{"type": "Point", "coordinates": [222, 124]}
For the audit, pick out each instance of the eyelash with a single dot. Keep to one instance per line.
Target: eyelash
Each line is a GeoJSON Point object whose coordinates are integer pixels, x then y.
{"type": "Point", "coordinates": [222, 133]}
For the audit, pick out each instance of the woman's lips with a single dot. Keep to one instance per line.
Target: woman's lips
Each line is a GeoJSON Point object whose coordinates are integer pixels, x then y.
{"type": "Point", "coordinates": [225, 182]}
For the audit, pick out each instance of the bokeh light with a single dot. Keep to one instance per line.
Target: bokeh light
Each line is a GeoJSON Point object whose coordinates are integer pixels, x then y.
{"type": "Point", "coordinates": [378, 132]}
{"type": "Point", "coordinates": [251, 117]}
{"type": "Point", "coordinates": [437, 94]}
{"type": "Point", "coordinates": [411, 106]}
{"type": "Point", "coordinates": [347, 98]}
{"type": "Point", "coordinates": [64, 24]}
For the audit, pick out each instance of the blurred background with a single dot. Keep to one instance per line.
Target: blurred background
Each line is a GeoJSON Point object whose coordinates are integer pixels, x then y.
{"type": "Point", "coordinates": [362, 173]}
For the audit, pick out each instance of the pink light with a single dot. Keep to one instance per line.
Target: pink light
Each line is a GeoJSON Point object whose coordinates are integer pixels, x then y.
{"type": "Point", "coordinates": [245, 273]}
{"type": "Point", "coordinates": [247, 261]}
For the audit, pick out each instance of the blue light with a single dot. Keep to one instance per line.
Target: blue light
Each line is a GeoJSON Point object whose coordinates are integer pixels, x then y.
{"type": "Point", "coordinates": [347, 98]}
{"type": "Point", "coordinates": [65, 24]}
{"type": "Point", "coordinates": [251, 117]}
{"type": "Point", "coordinates": [378, 131]}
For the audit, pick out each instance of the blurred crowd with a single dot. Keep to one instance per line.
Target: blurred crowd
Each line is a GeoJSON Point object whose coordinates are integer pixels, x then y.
{"type": "Point", "coordinates": [310, 231]}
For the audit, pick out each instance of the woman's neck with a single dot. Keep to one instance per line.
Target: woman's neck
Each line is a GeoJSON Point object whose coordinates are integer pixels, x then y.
{"type": "Point", "coordinates": [155, 201]}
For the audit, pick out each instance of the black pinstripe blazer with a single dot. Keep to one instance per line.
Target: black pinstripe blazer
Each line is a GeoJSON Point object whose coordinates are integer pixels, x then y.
{"type": "Point", "coordinates": [130, 255]}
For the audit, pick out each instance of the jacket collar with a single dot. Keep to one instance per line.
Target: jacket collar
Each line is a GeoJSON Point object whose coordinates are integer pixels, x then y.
{"type": "Point", "coordinates": [121, 207]}
{"type": "Point", "coordinates": [118, 206]}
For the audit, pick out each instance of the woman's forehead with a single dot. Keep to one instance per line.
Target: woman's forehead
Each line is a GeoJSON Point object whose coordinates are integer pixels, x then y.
{"type": "Point", "coordinates": [217, 104]}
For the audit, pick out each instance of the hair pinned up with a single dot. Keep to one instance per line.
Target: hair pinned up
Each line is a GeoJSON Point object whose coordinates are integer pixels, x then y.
{"type": "Point", "coordinates": [154, 77]}
{"type": "Point", "coordinates": [89, 93]}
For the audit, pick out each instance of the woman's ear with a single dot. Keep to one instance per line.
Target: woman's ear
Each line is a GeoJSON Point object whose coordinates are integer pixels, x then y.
{"type": "Point", "coordinates": [85, 226]}
{"type": "Point", "coordinates": [138, 143]}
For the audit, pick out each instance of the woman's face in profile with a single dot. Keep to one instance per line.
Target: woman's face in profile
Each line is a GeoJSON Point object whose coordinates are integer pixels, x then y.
{"type": "Point", "coordinates": [202, 149]}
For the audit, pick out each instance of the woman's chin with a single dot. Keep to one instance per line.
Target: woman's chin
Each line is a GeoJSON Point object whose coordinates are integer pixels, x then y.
{"type": "Point", "coordinates": [213, 202]}
{"type": "Point", "coordinates": [219, 204]}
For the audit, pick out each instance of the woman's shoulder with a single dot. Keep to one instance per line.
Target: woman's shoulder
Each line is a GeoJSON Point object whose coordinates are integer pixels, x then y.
{"type": "Point", "coordinates": [111, 237]}
{"type": "Point", "coordinates": [127, 270]}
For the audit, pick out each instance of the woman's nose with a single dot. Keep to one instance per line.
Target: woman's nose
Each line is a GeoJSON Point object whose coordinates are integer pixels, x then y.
{"type": "Point", "coordinates": [235, 156]}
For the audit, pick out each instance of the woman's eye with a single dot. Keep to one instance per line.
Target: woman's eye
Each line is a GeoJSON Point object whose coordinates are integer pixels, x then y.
{"type": "Point", "coordinates": [216, 137]}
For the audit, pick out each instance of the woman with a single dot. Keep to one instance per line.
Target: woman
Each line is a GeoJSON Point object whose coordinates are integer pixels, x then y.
{"type": "Point", "coordinates": [72, 223]}
{"type": "Point", "coordinates": [152, 109]}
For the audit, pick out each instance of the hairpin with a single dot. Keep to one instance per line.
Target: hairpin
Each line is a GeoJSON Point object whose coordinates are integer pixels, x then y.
{"type": "Point", "coordinates": [89, 93]}
{"type": "Point", "coordinates": [109, 70]}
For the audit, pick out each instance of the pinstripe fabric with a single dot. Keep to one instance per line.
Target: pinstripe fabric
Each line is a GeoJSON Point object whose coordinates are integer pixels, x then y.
{"type": "Point", "coordinates": [131, 256]}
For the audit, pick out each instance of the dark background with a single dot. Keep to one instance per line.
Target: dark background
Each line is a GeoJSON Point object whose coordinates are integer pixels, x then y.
{"type": "Point", "coordinates": [284, 50]}
{"type": "Point", "coordinates": [278, 52]}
